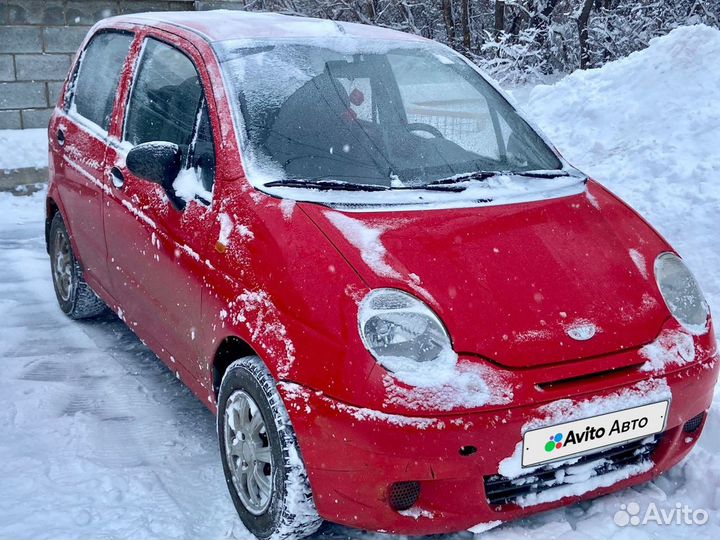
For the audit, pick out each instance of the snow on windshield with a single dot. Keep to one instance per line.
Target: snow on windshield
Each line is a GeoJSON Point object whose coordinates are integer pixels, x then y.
{"type": "Point", "coordinates": [371, 113]}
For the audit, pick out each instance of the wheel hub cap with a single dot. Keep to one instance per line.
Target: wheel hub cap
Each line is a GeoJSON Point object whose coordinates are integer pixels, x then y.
{"type": "Point", "coordinates": [247, 449]}
{"type": "Point", "coordinates": [62, 266]}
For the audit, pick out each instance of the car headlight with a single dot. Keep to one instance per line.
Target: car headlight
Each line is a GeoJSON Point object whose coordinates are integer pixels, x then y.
{"type": "Point", "coordinates": [403, 334]}
{"type": "Point", "coordinates": [681, 293]}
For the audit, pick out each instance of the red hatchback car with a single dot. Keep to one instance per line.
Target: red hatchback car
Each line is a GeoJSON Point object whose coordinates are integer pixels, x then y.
{"type": "Point", "coordinates": [408, 311]}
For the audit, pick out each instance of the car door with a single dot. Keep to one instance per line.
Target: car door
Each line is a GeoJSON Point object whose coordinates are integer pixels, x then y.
{"type": "Point", "coordinates": [79, 140]}
{"type": "Point", "coordinates": [155, 239]}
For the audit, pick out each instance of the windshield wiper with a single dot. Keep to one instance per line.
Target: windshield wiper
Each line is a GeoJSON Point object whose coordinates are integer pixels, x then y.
{"type": "Point", "coordinates": [452, 183]}
{"type": "Point", "coordinates": [326, 185]}
{"type": "Point", "coordinates": [484, 175]}
{"type": "Point", "coordinates": [458, 179]}
{"type": "Point", "coordinates": [455, 187]}
{"type": "Point", "coordinates": [540, 174]}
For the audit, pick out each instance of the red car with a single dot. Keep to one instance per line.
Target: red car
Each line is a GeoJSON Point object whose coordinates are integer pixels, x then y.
{"type": "Point", "coordinates": [409, 312]}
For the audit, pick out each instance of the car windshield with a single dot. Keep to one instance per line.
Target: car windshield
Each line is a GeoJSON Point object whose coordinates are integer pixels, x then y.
{"type": "Point", "coordinates": [389, 114]}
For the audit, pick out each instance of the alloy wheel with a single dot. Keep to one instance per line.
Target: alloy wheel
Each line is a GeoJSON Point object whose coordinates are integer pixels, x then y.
{"type": "Point", "coordinates": [62, 265]}
{"type": "Point", "coordinates": [247, 448]}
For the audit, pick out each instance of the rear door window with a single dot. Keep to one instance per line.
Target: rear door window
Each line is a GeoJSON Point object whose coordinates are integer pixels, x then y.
{"type": "Point", "coordinates": [98, 76]}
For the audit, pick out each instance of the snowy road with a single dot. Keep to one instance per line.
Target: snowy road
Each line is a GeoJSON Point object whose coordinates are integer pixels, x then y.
{"type": "Point", "coordinates": [98, 439]}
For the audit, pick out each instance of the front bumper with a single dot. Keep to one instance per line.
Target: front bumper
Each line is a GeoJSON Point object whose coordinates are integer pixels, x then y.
{"type": "Point", "coordinates": [353, 455]}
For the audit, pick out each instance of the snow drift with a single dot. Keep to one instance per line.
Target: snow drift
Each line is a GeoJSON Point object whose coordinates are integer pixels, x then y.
{"type": "Point", "coordinates": [648, 128]}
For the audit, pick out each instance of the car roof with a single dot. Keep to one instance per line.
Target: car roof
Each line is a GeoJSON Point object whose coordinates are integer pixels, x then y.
{"type": "Point", "coordinates": [223, 24]}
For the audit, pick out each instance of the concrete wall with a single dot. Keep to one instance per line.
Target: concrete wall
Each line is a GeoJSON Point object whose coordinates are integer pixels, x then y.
{"type": "Point", "coordinates": [38, 39]}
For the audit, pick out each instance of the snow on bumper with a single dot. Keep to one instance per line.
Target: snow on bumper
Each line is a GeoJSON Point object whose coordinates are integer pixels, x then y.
{"type": "Point", "coordinates": [354, 454]}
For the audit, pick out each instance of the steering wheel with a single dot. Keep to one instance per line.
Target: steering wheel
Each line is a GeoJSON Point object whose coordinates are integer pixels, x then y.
{"type": "Point", "coordinates": [418, 126]}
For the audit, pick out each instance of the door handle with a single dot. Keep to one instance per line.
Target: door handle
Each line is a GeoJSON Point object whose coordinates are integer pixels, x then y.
{"type": "Point", "coordinates": [117, 177]}
{"type": "Point", "coordinates": [60, 136]}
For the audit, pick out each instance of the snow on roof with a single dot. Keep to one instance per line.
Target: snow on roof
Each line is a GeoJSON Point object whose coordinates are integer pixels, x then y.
{"type": "Point", "coordinates": [223, 24]}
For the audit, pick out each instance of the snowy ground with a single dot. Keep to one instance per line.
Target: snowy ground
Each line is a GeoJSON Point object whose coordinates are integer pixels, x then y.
{"type": "Point", "coordinates": [100, 440]}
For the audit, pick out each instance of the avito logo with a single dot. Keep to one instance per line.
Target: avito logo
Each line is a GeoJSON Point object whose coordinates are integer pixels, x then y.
{"type": "Point", "coordinates": [554, 442]}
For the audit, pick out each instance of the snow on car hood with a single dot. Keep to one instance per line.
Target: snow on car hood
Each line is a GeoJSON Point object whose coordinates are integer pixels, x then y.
{"type": "Point", "coordinates": [520, 284]}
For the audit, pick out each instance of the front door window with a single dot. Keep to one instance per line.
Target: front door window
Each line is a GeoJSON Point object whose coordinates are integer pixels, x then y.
{"type": "Point", "coordinates": [167, 104]}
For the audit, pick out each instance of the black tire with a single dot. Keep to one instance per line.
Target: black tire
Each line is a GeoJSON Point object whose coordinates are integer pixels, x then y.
{"type": "Point", "coordinates": [75, 297]}
{"type": "Point", "coordinates": [291, 511]}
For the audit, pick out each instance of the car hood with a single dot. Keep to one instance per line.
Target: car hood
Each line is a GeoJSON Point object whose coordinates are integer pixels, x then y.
{"type": "Point", "coordinates": [513, 283]}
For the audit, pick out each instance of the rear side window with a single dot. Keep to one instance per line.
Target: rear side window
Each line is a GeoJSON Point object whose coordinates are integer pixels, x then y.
{"type": "Point", "coordinates": [165, 99]}
{"type": "Point", "coordinates": [98, 76]}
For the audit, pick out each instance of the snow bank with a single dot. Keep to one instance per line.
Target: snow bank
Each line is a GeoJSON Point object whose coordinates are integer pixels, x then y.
{"type": "Point", "coordinates": [23, 148]}
{"type": "Point", "coordinates": [648, 128]}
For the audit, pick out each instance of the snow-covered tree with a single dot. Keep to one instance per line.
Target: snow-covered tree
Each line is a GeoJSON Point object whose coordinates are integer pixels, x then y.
{"type": "Point", "coordinates": [520, 40]}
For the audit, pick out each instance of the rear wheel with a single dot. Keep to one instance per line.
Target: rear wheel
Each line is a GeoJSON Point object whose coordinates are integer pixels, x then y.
{"type": "Point", "coordinates": [75, 297]}
{"type": "Point", "coordinates": [261, 459]}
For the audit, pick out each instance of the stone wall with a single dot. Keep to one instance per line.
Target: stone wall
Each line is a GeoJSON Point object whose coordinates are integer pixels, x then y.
{"type": "Point", "coordinates": [38, 39]}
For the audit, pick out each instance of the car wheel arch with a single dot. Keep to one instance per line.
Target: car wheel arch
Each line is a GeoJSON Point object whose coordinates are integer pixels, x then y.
{"type": "Point", "coordinates": [58, 209]}
{"type": "Point", "coordinates": [51, 208]}
{"type": "Point", "coordinates": [231, 348]}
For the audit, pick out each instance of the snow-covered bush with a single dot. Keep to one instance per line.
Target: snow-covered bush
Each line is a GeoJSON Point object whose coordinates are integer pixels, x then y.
{"type": "Point", "coordinates": [631, 24]}
{"type": "Point", "coordinates": [514, 58]}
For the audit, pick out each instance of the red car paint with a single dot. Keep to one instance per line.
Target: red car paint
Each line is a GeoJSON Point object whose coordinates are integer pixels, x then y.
{"type": "Point", "coordinates": [506, 280]}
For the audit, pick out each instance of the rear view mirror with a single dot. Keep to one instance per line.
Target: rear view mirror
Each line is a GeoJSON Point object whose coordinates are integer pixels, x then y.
{"type": "Point", "coordinates": [156, 161]}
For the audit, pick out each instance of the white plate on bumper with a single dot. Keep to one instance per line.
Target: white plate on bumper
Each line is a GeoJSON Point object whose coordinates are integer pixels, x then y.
{"type": "Point", "coordinates": [581, 436]}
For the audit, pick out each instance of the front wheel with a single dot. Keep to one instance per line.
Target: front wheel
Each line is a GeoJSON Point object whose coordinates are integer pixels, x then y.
{"type": "Point", "coordinates": [261, 459]}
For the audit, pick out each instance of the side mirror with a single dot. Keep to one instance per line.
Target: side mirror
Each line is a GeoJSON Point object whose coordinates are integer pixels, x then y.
{"type": "Point", "coordinates": [155, 161]}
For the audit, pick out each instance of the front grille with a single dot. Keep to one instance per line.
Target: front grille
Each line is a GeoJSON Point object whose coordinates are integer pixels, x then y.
{"type": "Point", "coordinates": [573, 382]}
{"type": "Point", "coordinates": [501, 490]}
